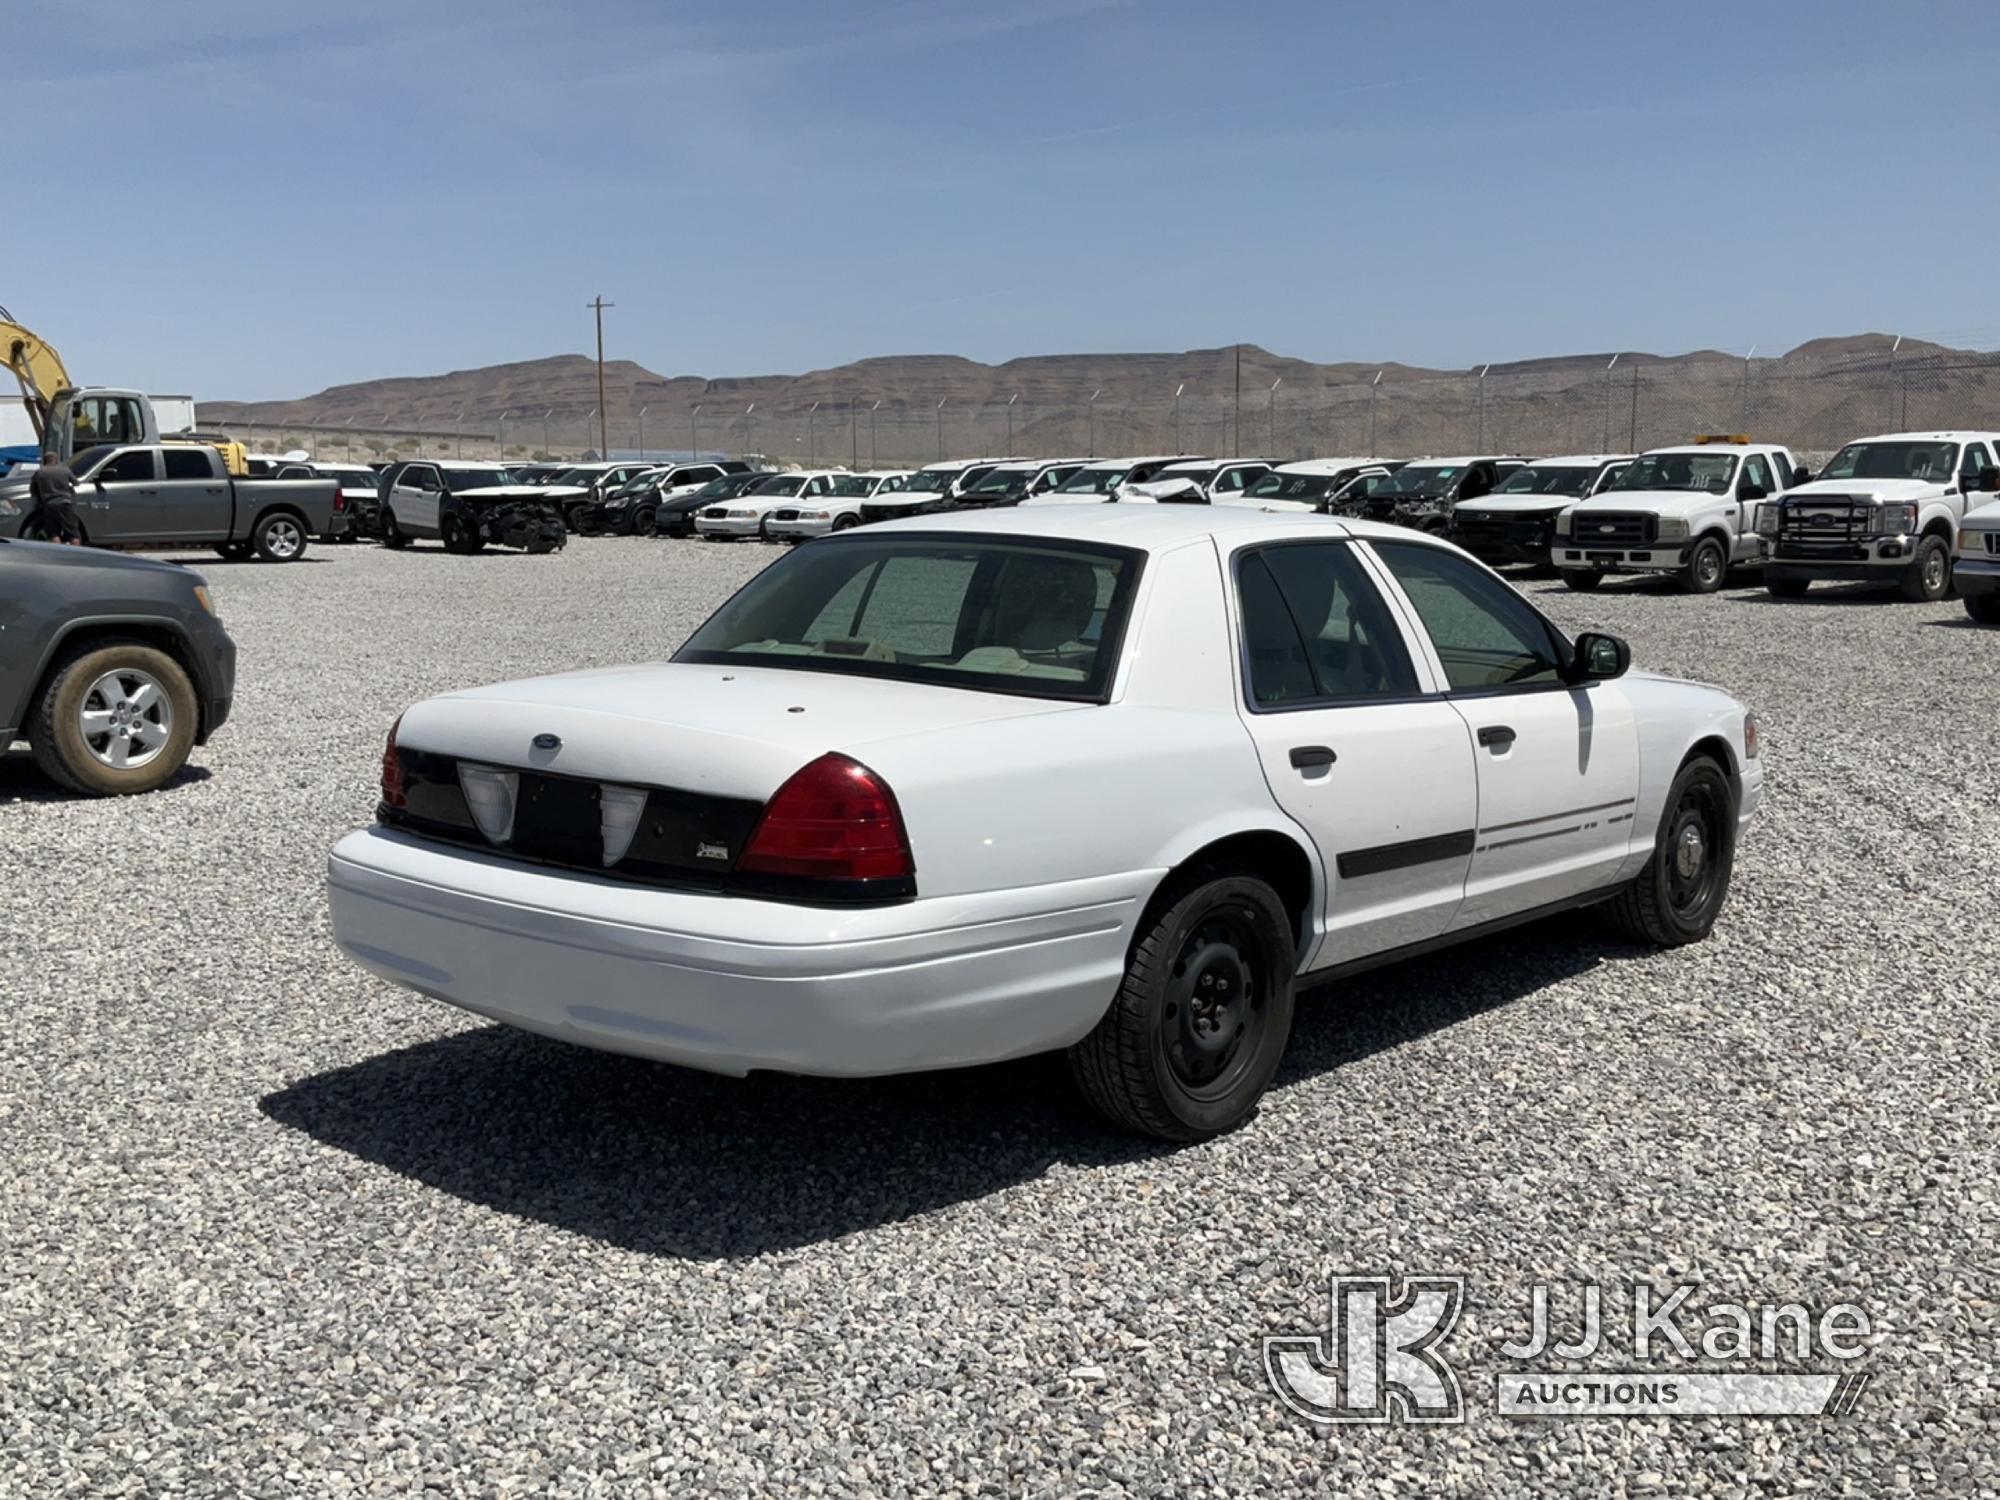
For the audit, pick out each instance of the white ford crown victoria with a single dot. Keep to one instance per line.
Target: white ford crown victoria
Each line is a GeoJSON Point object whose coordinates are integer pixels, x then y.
{"type": "Point", "coordinates": [1111, 779]}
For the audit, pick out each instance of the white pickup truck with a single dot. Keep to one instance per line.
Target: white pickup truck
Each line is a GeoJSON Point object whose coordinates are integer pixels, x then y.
{"type": "Point", "coordinates": [1885, 510]}
{"type": "Point", "coordinates": [1690, 511]}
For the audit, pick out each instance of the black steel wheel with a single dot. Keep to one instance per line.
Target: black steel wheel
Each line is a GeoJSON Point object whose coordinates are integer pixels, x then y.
{"type": "Point", "coordinates": [1200, 1023]}
{"type": "Point", "coordinates": [1677, 897]}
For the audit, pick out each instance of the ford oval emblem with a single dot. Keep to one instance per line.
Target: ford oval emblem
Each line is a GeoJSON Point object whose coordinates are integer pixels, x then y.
{"type": "Point", "coordinates": [547, 742]}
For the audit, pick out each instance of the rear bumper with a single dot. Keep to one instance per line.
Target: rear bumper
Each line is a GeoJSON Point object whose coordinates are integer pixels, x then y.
{"type": "Point", "coordinates": [729, 985]}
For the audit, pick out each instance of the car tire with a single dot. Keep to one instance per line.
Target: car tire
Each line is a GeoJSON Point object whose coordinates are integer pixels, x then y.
{"type": "Point", "coordinates": [93, 689]}
{"type": "Point", "coordinates": [576, 518]}
{"type": "Point", "coordinates": [1214, 952]}
{"type": "Point", "coordinates": [1583, 581]}
{"type": "Point", "coordinates": [1985, 608]}
{"type": "Point", "coordinates": [1786, 588]}
{"type": "Point", "coordinates": [392, 534]}
{"type": "Point", "coordinates": [846, 523]}
{"type": "Point", "coordinates": [1928, 577]}
{"type": "Point", "coordinates": [643, 522]}
{"type": "Point", "coordinates": [1677, 897]}
{"type": "Point", "coordinates": [1706, 568]}
{"type": "Point", "coordinates": [460, 538]}
{"type": "Point", "coordinates": [279, 537]}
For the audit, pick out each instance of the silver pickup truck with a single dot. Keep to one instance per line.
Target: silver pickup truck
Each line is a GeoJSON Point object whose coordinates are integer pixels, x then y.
{"type": "Point", "coordinates": [181, 495]}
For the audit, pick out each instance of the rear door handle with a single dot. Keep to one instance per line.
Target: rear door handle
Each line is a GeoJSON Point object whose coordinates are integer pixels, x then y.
{"type": "Point", "coordinates": [1312, 757]}
{"type": "Point", "coordinates": [1497, 735]}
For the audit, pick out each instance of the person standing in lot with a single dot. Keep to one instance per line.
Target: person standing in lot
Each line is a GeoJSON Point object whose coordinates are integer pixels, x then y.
{"type": "Point", "coordinates": [52, 491]}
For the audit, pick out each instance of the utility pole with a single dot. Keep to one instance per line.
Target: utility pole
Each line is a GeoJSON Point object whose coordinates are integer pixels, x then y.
{"type": "Point", "coordinates": [642, 432]}
{"type": "Point", "coordinates": [1743, 415]}
{"type": "Point", "coordinates": [873, 461]}
{"type": "Point", "coordinates": [853, 432]}
{"type": "Point", "coordinates": [694, 433]}
{"type": "Point", "coordinates": [1632, 437]}
{"type": "Point", "coordinates": [598, 304]}
{"type": "Point", "coordinates": [1239, 403]}
{"type": "Point", "coordinates": [1372, 385]}
{"type": "Point", "coordinates": [1607, 402]}
{"type": "Point", "coordinates": [1177, 416]}
{"type": "Point", "coordinates": [1091, 409]}
{"type": "Point", "coordinates": [1481, 445]}
{"type": "Point", "coordinates": [812, 427]}
{"type": "Point", "coordinates": [1892, 354]}
{"type": "Point", "coordinates": [749, 428]}
{"type": "Point", "coordinates": [1271, 409]}
{"type": "Point", "coordinates": [1010, 422]}
{"type": "Point", "coordinates": [595, 411]}
{"type": "Point", "coordinates": [940, 428]}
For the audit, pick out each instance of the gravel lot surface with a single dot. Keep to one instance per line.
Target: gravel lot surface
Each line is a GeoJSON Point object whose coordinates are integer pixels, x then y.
{"type": "Point", "coordinates": [274, 1227]}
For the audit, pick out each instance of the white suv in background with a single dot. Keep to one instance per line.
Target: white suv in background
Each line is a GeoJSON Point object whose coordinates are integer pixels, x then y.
{"type": "Point", "coordinates": [1311, 484]}
{"type": "Point", "coordinates": [1690, 511]}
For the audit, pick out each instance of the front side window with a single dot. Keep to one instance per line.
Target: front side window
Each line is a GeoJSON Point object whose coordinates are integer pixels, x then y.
{"type": "Point", "coordinates": [1044, 619]}
{"type": "Point", "coordinates": [1486, 635]}
{"type": "Point", "coordinates": [1315, 630]}
{"type": "Point", "coordinates": [188, 463]}
{"type": "Point", "coordinates": [133, 464]}
{"type": "Point", "coordinates": [1975, 459]}
{"type": "Point", "coordinates": [1757, 472]}
{"type": "Point", "coordinates": [421, 478]}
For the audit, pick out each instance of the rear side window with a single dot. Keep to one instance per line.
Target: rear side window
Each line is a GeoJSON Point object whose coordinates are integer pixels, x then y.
{"type": "Point", "coordinates": [1040, 619]}
{"type": "Point", "coordinates": [188, 463]}
{"type": "Point", "coordinates": [1315, 630]}
{"type": "Point", "coordinates": [1485, 634]}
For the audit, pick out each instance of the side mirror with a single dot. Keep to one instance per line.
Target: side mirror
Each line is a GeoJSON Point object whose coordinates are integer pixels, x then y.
{"type": "Point", "coordinates": [1987, 479]}
{"type": "Point", "coordinates": [1801, 475]}
{"type": "Point", "coordinates": [1751, 492]}
{"type": "Point", "coordinates": [1597, 657]}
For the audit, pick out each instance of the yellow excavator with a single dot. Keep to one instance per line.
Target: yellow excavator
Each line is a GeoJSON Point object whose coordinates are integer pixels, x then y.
{"type": "Point", "coordinates": [68, 418]}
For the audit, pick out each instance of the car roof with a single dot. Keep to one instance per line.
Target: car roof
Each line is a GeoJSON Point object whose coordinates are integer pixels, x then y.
{"type": "Point", "coordinates": [1149, 528]}
{"type": "Point", "coordinates": [1579, 460]}
{"type": "Point", "coordinates": [1709, 448]}
{"type": "Point", "coordinates": [1464, 458]}
{"type": "Point", "coordinates": [1951, 435]}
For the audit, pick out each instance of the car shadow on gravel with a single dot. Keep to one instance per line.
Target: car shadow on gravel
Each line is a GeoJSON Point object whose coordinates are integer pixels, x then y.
{"type": "Point", "coordinates": [21, 780]}
{"type": "Point", "coordinates": [664, 1161]}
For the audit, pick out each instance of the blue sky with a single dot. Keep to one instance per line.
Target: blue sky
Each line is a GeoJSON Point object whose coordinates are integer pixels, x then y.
{"type": "Point", "coordinates": [254, 198]}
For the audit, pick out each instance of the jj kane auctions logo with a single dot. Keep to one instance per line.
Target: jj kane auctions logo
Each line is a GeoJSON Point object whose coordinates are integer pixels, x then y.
{"type": "Point", "coordinates": [1383, 1355]}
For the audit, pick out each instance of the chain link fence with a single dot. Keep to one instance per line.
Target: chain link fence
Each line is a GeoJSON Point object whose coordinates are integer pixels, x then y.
{"type": "Point", "coordinates": [1619, 405]}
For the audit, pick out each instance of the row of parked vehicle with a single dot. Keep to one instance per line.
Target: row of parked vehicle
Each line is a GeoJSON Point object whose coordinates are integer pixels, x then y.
{"type": "Point", "coordinates": [1910, 509]}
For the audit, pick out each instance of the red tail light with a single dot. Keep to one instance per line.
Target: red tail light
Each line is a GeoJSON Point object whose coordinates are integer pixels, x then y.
{"type": "Point", "coordinates": [393, 794]}
{"type": "Point", "coordinates": [834, 820]}
{"type": "Point", "coordinates": [339, 501]}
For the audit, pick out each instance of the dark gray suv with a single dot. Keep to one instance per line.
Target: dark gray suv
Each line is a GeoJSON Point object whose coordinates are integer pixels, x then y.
{"type": "Point", "coordinates": [112, 668]}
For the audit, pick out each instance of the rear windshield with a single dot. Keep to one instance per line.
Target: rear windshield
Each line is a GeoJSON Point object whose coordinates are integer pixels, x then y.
{"type": "Point", "coordinates": [1041, 619]}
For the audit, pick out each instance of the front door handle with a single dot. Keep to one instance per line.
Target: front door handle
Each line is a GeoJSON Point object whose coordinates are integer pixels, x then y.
{"type": "Point", "coordinates": [1496, 735]}
{"type": "Point", "coordinates": [1312, 757]}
